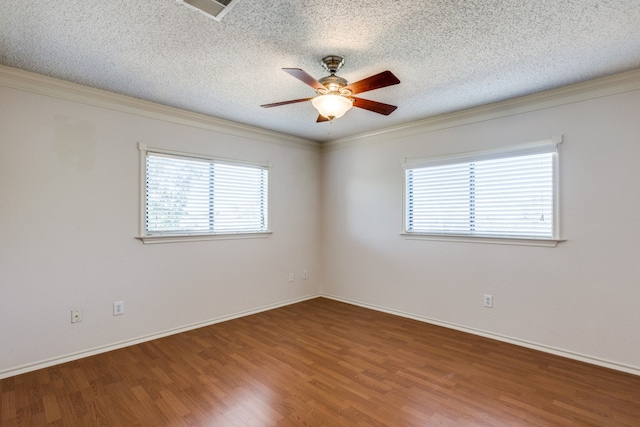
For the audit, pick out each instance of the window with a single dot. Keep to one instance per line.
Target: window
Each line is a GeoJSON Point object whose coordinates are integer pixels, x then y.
{"type": "Point", "coordinates": [492, 195]}
{"type": "Point", "coordinates": [187, 196]}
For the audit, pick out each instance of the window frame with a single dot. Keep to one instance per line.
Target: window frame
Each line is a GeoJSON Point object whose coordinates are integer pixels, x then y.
{"type": "Point", "coordinates": [172, 237]}
{"type": "Point", "coordinates": [552, 143]}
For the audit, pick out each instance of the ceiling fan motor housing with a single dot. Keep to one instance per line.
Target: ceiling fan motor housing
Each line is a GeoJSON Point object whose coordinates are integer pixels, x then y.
{"type": "Point", "coordinates": [334, 84]}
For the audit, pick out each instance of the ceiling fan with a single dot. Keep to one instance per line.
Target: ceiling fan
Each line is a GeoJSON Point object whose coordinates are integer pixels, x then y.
{"type": "Point", "coordinates": [335, 94]}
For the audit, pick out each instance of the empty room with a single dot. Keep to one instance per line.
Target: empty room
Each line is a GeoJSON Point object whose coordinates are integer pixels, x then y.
{"type": "Point", "coordinates": [319, 213]}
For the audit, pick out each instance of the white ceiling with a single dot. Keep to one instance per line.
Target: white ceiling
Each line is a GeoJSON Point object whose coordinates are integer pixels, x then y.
{"type": "Point", "coordinates": [448, 54]}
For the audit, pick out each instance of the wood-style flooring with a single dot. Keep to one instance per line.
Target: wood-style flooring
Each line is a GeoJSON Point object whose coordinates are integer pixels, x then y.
{"type": "Point", "coordinates": [322, 363]}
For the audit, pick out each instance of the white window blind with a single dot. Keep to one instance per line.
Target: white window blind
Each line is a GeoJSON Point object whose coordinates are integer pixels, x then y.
{"type": "Point", "coordinates": [188, 195]}
{"type": "Point", "coordinates": [499, 194]}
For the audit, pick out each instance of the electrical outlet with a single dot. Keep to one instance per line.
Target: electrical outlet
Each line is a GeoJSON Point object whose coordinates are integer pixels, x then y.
{"type": "Point", "coordinates": [290, 277]}
{"type": "Point", "coordinates": [76, 316]}
{"type": "Point", "coordinates": [488, 301]}
{"type": "Point", "coordinates": [305, 275]}
{"type": "Point", "coordinates": [118, 308]}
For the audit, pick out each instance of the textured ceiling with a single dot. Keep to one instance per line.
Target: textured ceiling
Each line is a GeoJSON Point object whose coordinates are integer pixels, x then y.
{"type": "Point", "coordinates": [448, 54]}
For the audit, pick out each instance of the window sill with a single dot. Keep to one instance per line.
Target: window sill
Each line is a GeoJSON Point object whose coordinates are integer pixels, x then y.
{"type": "Point", "coordinates": [550, 243]}
{"type": "Point", "coordinates": [177, 238]}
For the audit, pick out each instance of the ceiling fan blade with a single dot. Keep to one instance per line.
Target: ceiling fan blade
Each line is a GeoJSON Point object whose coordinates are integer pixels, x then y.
{"type": "Point", "coordinates": [293, 101]}
{"type": "Point", "coordinates": [322, 118]}
{"type": "Point", "coordinates": [375, 106]}
{"type": "Point", "coordinates": [304, 77]}
{"type": "Point", "coordinates": [383, 79]}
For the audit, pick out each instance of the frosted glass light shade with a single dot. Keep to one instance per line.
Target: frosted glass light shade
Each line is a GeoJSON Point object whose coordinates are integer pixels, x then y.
{"type": "Point", "coordinates": [332, 106]}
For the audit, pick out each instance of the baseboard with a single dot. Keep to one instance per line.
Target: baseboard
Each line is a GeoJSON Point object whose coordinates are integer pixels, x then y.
{"type": "Point", "coordinates": [522, 343]}
{"type": "Point", "coordinates": [103, 349]}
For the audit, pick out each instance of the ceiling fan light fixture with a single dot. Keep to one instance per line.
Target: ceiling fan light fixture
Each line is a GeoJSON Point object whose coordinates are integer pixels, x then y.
{"type": "Point", "coordinates": [335, 94]}
{"type": "Point", "coordinates": [332, 106]}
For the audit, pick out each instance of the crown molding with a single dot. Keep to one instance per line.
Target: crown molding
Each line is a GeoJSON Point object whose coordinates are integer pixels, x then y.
{"type": "Point", "coordinates": [591, 89]}
{"type": "Point", "coordinates": [49, 86]}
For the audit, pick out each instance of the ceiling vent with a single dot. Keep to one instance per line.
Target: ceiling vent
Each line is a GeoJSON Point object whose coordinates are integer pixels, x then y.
{"type": "Point", "coordinates": [215, 9]}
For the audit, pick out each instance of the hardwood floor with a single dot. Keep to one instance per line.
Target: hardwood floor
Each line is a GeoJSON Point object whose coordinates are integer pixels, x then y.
{"type": "Point", "coordinates": [322, 363]}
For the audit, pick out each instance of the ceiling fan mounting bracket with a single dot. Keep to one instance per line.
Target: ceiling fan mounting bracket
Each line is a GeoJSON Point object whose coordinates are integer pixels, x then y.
{"type": "Point", "coordinates": [332, 63]}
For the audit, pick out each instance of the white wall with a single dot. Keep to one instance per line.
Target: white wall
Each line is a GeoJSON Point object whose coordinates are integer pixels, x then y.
{"type": "Point", "coordinates": [581, 297]}
{"type": "Point", "coordinates": [69, 180]}
{"type": "Point", "coordinates": [69, 194]}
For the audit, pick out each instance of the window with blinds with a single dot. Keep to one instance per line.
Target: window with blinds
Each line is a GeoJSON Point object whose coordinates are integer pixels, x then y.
{"type": "Point", "coordinates": [187, 195]}
{"type": "Point", "coordinates": [510, 193]}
